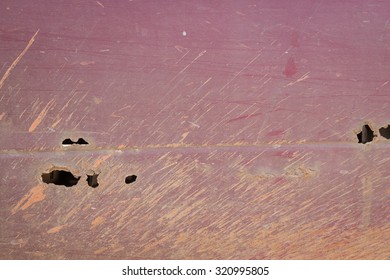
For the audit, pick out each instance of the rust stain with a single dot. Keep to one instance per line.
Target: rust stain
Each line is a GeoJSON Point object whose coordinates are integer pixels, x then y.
{"type": "Point", "coordinates": [55, 229]}
{"type": "Point", "coordinates": [97, 221]}
{"type": "Point", "coordinates": [35, 195]}
{"type": "Point", "coordinates": [2, 115]}
{"type": "Point", "coordinates": [40, 117]}
{"type": "Point", "coordinates": [16, 61]}
{"type": "Point", "coordinates": [100, 160]}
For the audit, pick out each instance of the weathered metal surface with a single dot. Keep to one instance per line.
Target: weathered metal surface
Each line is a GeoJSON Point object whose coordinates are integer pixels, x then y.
{"type": "Point", "coordinates": [239, 119]}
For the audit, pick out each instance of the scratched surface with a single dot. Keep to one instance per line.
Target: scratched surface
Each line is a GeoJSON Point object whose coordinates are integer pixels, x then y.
{"type": "Point", "coordinates": [238, 118]}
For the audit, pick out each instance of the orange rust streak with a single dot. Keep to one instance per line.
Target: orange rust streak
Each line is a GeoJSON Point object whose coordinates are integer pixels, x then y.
{"type": "Point", "coordinates": [40, 117]}
{"type": "Point", "coordinates": [16, 61]}
{"type": "Point", "coordinates": [55, 229]}
{"type": "Point", "coordinates": [35, 195]}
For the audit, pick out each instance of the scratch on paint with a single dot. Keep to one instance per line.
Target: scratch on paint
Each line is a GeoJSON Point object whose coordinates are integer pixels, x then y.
{"type": "Point", "coordinates": [40, 117]}
{"type": "Point", "coordinates": [184, 136]}
{"type": "Point", "coordinates": [100, 4]}
{"type": "Point", "coordinates": [304, 77]}
{"type": "Point", "coordinates": [185, 68]}
{"type": "Point", "coordinates": [367, 202]}
{"type": "Point", "coordinates": [244, 117]}
{"type": "Point", "coordinates": [239, 72]}
{"type": "Point", "coordinates": [35, 195]}
{"type": "Point", "coordinates": [16, 61]}
{"type": "Point", "coordinates": [56, 123]}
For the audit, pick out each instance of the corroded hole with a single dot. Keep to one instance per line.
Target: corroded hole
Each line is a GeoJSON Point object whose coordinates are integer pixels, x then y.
{"type": "Point", "coordinates": [366, 135]}
{"type": "Point", "coordinates": [130, 179]}
{"type": "Point", "coordinates": [92, 180]}
{"type": "Point", "coordinates": [68, 142]}
{"type": "Point", "coordinates": [385, 132]}
{"type": "Point", "coordinates": [60, 177]}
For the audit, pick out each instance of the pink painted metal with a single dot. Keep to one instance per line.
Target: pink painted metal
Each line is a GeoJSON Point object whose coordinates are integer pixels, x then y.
{"type": "Point", "coordinates": [239, 119]}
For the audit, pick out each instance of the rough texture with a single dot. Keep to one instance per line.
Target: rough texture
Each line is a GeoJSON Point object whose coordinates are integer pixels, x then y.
{"type": "Point", "coordinates": [239, 119]}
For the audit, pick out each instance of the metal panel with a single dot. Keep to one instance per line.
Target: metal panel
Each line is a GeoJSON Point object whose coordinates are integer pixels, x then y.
{"type": "Point", "coordinates": [240, 119]}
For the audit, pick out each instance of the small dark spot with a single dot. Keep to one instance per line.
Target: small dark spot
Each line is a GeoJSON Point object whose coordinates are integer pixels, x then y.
{"type": "Point", "coordinates": [366, 135]}
{"type": "Point", "coordinates": [92, 180]}
{"type": "Point", "coordinates": [68, 141]}
{"type": "Point", "coordinates": [130, 179]}
{"type": "Point", "coordinates": [385, 132]}
{"type": "Point", "coordinates": [60, 177]}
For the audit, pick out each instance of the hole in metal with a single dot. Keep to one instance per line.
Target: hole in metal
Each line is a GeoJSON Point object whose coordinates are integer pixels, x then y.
{"type": "Point", "coordinates": [68, 142]}
{"type": "Point", "coordinates": [60, 177]}
{"type": "Point", "coordinates": [385, 132]}
{"type": "Point", "coordinates": [92, 180]}
{"type": "Point", "coordinates": [130, 179]}
{"type": "Point", "coordinates": [366, 135]}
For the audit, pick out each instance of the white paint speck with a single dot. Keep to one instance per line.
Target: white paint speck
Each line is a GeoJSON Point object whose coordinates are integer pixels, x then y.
{"type": "Point", "coordinates": [184, 33]}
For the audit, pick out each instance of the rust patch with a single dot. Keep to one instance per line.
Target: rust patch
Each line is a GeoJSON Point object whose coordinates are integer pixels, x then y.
{"type": "Point", "coordinates": [35, 195]}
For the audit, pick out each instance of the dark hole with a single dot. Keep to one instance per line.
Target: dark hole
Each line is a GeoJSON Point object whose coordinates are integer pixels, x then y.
{"type": "Point", "coordinates": [68, 141]}
{"type": "Point", "coordinates": [60, 177]}
{"type": "Point", "coordinates": [130, 179]}
{"type": "Point", "coordinates": [92, 180]}
{"type": "Point", "coordinates": [385, 132]}
{"type": "Point", "coordinates": [366, 135]}
{"type": "Point", "coordinates": [81, 141]}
